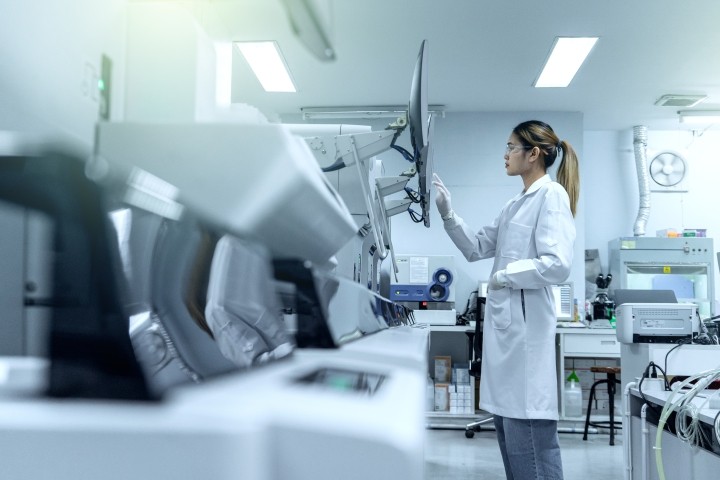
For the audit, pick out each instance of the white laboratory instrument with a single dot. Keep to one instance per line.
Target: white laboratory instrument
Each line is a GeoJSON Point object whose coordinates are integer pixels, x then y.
{"type": "Point", "coordinates": [354, 150]}
{"type": "Point", "coordinates": [358, 259]}
{"type": "Point", "coordinates": [255, 181]}
{"type": "Point", "coordinates": [318, 414]}
{"type": "Point", "coordinates": [683, 265]}
{"type": "Point", "coordinates": [425, 285]}
{"type": "Point", "coordinates": [656, 322]}
{"type": "Point", "coordinates": [265, 423]}
{"type": "Point", "coordinates": [294, 420]}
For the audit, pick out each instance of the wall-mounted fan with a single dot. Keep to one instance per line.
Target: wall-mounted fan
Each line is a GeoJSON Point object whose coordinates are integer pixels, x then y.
{"type": "Point", "coordinates": [667, 170]}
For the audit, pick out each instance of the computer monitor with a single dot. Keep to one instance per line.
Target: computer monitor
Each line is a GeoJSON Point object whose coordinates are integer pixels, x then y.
{"type": "Point", "coordinates": [563, 295]}
{"type": "Point", "coordinates": [628, 295]}
{"type": "Point", "coordinates": [418, 106]}
{"type": "Point", "coordinates": [420, 124]}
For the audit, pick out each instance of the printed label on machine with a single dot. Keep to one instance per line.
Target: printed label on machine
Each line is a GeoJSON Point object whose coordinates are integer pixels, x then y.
{"type": "Point", "coordinates": [419, 270]}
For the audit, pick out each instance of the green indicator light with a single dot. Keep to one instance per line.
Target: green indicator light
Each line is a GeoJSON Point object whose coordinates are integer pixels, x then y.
{"type": "Point", "coordinates": [101, 85]}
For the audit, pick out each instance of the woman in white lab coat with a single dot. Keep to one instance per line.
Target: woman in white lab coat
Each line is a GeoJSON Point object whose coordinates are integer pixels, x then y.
{"type": "Point", "coordinates": [531, 242]}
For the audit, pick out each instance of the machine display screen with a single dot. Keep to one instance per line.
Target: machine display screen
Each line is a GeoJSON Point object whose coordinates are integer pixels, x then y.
{"type": "Point", "coordinates": [344, 380]}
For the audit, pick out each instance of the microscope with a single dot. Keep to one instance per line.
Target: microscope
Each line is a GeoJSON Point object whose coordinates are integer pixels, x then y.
{"type": "Point", "coordinates": [603, 307]}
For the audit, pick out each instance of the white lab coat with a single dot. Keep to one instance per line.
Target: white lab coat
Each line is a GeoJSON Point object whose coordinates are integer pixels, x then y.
{"type": "Point", "coordinates": [532, 239]}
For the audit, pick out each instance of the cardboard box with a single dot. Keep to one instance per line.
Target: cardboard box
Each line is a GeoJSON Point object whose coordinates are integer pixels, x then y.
{"type": "Point", "coordinates": [443, 368]}
{"type": "Point", "coordinates": [442, 397]}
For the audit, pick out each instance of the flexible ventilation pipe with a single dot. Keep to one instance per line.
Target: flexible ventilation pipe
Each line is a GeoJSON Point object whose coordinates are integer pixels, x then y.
{"type": "Point", "coordinates": [640, 147]}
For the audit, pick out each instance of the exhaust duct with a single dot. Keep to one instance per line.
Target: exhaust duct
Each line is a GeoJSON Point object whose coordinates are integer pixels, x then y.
{"type": "Point", "coordinates": [640, 148]}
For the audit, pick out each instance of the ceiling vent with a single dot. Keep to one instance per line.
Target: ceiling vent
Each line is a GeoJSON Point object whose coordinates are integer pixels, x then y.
{"type": "Point", "coordinates": [679, 100]}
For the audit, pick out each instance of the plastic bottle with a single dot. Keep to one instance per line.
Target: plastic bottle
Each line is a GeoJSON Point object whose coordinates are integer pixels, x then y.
{"type": "Point", "coordinates": [576, 311]}
{"type": "Point", "coordinates": [573, 396]}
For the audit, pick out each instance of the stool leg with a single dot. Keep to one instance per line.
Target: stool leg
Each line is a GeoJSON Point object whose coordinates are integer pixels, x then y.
{"type": "Point", "coordinates": [587, 417]}
{"type": "Point", "coordinates": [611, 393]}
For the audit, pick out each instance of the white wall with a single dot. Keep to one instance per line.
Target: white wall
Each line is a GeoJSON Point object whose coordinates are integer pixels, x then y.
{"type": "Point", "coordinates": [49, 58]}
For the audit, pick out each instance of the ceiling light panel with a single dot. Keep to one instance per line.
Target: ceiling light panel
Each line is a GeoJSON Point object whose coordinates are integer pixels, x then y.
{"type": "Point", "coordinates": [268, 65]}
{"type": "Point", "coordinates": [567, 54]}
{"type": "Point", "coordinates": [700, 117]}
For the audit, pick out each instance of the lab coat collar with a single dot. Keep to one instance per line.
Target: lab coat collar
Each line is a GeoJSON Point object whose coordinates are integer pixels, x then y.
{"type": "Point", "coordinates": [537, 184]}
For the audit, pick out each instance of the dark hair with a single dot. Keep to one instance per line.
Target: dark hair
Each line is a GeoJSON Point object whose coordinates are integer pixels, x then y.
{"type": "Point", "coordinates": [535, 133]}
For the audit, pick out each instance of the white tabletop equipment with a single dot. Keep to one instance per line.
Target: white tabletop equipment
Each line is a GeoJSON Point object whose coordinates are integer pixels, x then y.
{"type": "Point", "coordinates": [656, 322]}
{"type": "Point", "coordinates": [302, 416]}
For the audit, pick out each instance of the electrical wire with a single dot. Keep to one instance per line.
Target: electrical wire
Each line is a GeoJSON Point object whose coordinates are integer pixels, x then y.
{"type": "Point", "coordinates": [407, 155]}
{"type": "Point", "coordinates": [689, 428]}
{"type": "Point", "coordinates": [647, 374]}
{"type": "Point", "coordinates": [713, 339]}
{"type": "Point", "coordinates": [704, 338]}
{"type": "Point", "coordinates": [339, 163]}
{"type": "Point", "coordinates": [416, 217]}
{"type": "Point", "coordinates": [680, 344]}
{"type": "Point", "coordinates": [415, 196]}
{"type": "Point", "coordinates": [466, 315]}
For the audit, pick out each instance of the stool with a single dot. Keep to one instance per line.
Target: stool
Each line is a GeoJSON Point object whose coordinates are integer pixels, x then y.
{"type": "Point", "coordinates": [611, 380]}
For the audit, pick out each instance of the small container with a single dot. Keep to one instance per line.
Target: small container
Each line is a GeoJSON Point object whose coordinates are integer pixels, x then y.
{"type": "Point", "coordinates": [573, 396]}
{"type": "Point", "coordinates": [668, 233]}
{"type": "Point", "coordinates": [576, 311]}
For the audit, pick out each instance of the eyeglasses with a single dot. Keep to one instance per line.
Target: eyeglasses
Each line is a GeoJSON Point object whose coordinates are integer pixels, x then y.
{"type": "Point", "coordinates": [510, 147]}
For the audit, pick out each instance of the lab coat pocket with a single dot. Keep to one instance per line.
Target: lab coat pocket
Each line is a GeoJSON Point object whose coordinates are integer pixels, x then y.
{"type": "Point", "coordinates": [516, 241]}
{"type": "Point", "coordinates": [497, 308]}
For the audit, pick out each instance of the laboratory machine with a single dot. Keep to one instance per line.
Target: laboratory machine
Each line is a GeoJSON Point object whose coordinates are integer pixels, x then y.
{"type": "Point", "coordinates": [683, 265]}
{"type": "Point", "coordinates": [425, 285]}
{"type": "Point", "coordinates": [195, 321]}
{"type": "Point", "coordinates": [656, 322]}
{"type": "Point", "coordinates": [146, 387]}
{"type": "Point", "coordinates": [346, 154]}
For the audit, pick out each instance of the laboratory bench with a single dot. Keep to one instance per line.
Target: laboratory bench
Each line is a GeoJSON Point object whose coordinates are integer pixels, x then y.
{"type": "Point", "coordinates": [679, 458]}
{"type": "Point", "coordinates": [577, 348]}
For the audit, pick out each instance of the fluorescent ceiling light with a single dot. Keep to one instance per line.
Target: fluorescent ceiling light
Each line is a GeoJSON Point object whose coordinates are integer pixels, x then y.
{"type": "Point", "coordinates": [699, 117]}
{"type": "Point", "coordinates": [567, 54]}
{"type": "Point", "coordinates": [268, 66]}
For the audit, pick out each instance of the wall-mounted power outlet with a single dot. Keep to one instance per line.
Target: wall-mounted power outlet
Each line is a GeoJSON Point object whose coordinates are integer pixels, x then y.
{"type": "Point", "coordinates": [651, 384]}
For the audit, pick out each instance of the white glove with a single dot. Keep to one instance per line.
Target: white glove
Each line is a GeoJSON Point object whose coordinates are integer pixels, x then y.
{"type": "Point", "coordinates": [442, 198]}
{"type": "Point", "coordinates": [498, 280]}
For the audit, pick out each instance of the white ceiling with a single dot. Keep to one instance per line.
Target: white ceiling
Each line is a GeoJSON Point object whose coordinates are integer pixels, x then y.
{"type": "Point", "coordinates": [485, 54]}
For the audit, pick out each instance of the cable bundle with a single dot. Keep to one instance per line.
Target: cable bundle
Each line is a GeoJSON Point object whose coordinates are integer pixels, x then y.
{"type": "Point", "coordinates": [686, 420]}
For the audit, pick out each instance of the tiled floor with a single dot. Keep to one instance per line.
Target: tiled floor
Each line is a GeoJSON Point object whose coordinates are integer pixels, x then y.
{"type": "Point", "coordinates": [449, 455]}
